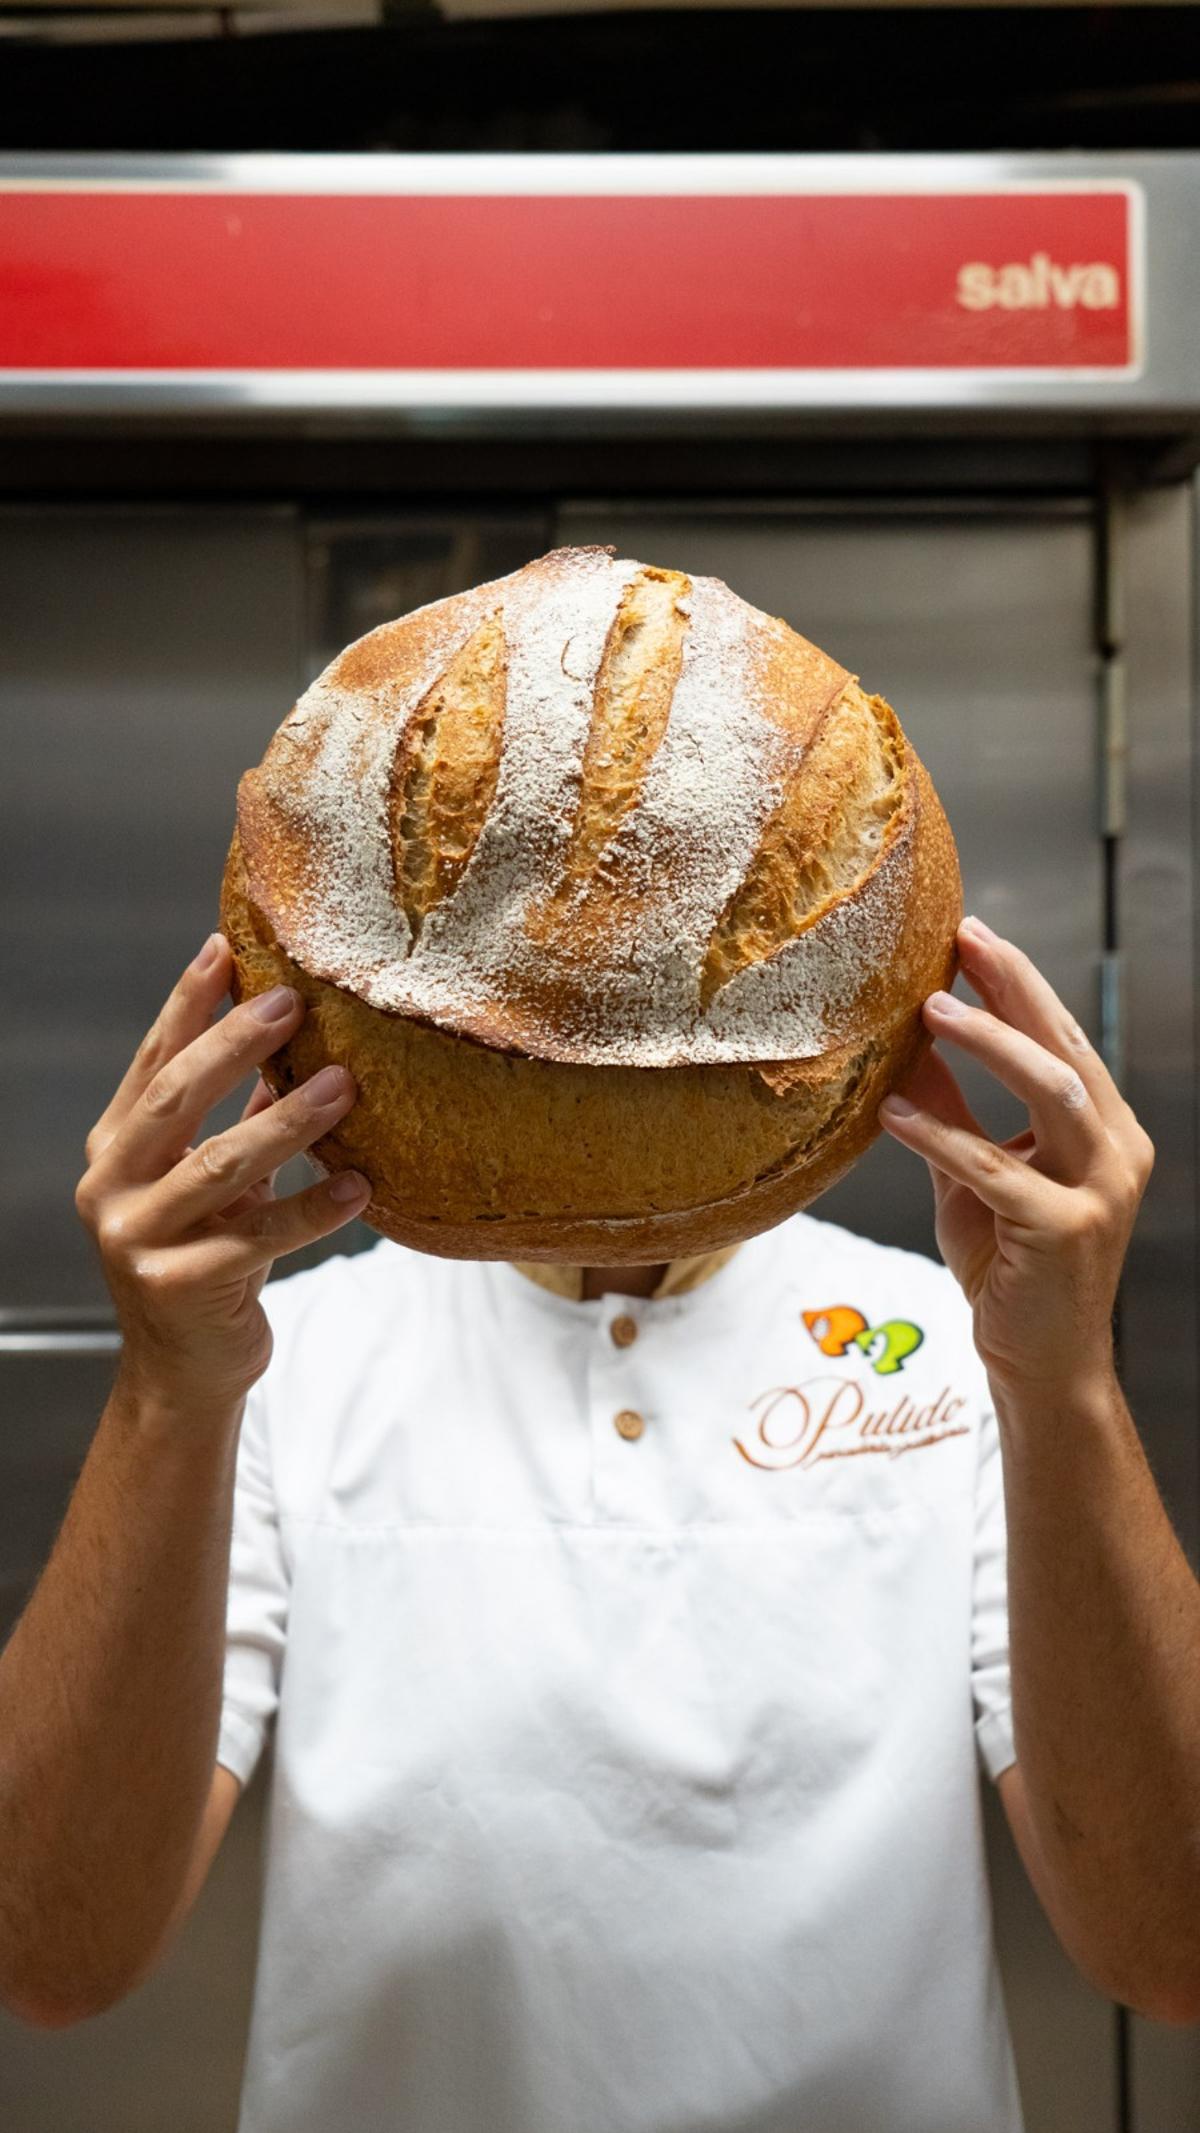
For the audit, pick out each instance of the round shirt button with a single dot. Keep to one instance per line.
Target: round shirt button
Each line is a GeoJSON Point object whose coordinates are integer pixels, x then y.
{"type": "Point", "coordinates": [629, 1424]}
{"type": "Point", "coordinates": [624, 1330]}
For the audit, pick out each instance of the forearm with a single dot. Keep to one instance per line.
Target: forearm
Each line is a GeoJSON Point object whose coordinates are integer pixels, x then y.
{"type": "Point", "coordinates": [110, 1694]}
{"type": "Point", "coordinates": [1105, 1640]}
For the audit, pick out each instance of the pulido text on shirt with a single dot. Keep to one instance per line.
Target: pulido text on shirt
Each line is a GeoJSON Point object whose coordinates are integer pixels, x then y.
{"type": "Point", "coordinates": [828, 1418]}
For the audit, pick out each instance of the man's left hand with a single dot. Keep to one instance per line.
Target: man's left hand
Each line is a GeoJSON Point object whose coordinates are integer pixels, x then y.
{"type": "Point", "coordinates": [1036, 1228]}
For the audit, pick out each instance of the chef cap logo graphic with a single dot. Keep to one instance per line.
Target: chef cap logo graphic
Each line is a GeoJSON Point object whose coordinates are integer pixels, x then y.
{"type": "Point", "coordinates": [838, 1328]}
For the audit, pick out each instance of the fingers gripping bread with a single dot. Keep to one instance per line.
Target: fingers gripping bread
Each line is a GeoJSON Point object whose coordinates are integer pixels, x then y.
{"type": "Point", "coordinates": [617, 897]}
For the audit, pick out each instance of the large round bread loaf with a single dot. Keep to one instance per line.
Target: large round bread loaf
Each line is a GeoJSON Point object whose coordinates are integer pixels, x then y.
{"type": "Point", "coordinates": [617, 897]}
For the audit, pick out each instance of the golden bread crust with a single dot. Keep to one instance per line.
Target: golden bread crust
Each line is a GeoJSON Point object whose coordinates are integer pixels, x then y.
{"type": "Point", "coordinates": [618, 899]}
{"type": "Point", "coordinates": [478, 1153]}
{"type": "Point", "coordinates": [650, 726]}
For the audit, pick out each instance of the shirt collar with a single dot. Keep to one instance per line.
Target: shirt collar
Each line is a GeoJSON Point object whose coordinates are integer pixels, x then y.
{"type": "Point", "coordinates": [677, 1277]}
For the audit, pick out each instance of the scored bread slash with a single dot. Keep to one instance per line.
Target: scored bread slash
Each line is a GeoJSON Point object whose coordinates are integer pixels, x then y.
{"type": "Point", "coordinates": [444, 775]}
{"type": "Point", "coordinates": [589, 832]}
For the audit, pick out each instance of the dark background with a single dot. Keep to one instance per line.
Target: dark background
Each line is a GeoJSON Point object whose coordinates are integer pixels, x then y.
{"type": "Point", "coordinates": [805, 80]}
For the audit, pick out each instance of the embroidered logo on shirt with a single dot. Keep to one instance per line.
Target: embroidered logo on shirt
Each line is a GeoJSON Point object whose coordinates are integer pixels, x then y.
{"type": "Point", "coordinates": [828, 1418]}
{"type": "Point", "coordinates": [839, 1327]}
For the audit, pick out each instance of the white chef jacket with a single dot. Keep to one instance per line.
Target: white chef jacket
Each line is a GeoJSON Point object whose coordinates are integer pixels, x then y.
{"type": "Point", "coordinates": [626, 1771]}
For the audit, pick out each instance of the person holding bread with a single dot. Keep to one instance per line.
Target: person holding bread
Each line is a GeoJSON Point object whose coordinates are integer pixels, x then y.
{"type": "Point", "coordinates": [635, 1572]}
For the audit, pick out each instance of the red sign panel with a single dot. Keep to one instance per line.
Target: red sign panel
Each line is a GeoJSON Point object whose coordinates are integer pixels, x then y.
{"type": "Point", "coordinates": [117, 279]}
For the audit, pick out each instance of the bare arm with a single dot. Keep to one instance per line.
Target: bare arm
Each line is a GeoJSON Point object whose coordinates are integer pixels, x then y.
{"type": "Point", "coordinates": [1104, 1611]}
{"type": "Point", "coordinates": [110, 1685]}
{"type": "Point", "coordinates": [223, 1795]}
{"type": "Point", "coordinates": [1104, 1618]}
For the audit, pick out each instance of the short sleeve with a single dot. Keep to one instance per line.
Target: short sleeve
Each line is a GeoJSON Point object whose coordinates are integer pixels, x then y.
{"type": "Point", "coordinates": [257, 1606]}
{"type": "Point", "coordinates": [990, 1678]}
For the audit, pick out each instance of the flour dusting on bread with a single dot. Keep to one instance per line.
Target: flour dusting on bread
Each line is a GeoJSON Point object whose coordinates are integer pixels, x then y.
{"type": "Point", "coordinates": [603, 962]}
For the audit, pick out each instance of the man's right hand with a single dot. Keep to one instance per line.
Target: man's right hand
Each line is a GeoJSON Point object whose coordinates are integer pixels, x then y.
{"type": "Point", "coordinates": [187, 1234]}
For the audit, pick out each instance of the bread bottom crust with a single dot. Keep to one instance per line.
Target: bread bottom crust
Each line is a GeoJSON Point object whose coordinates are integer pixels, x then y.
{"type": "Point", "coordinates": [476, 1153]}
